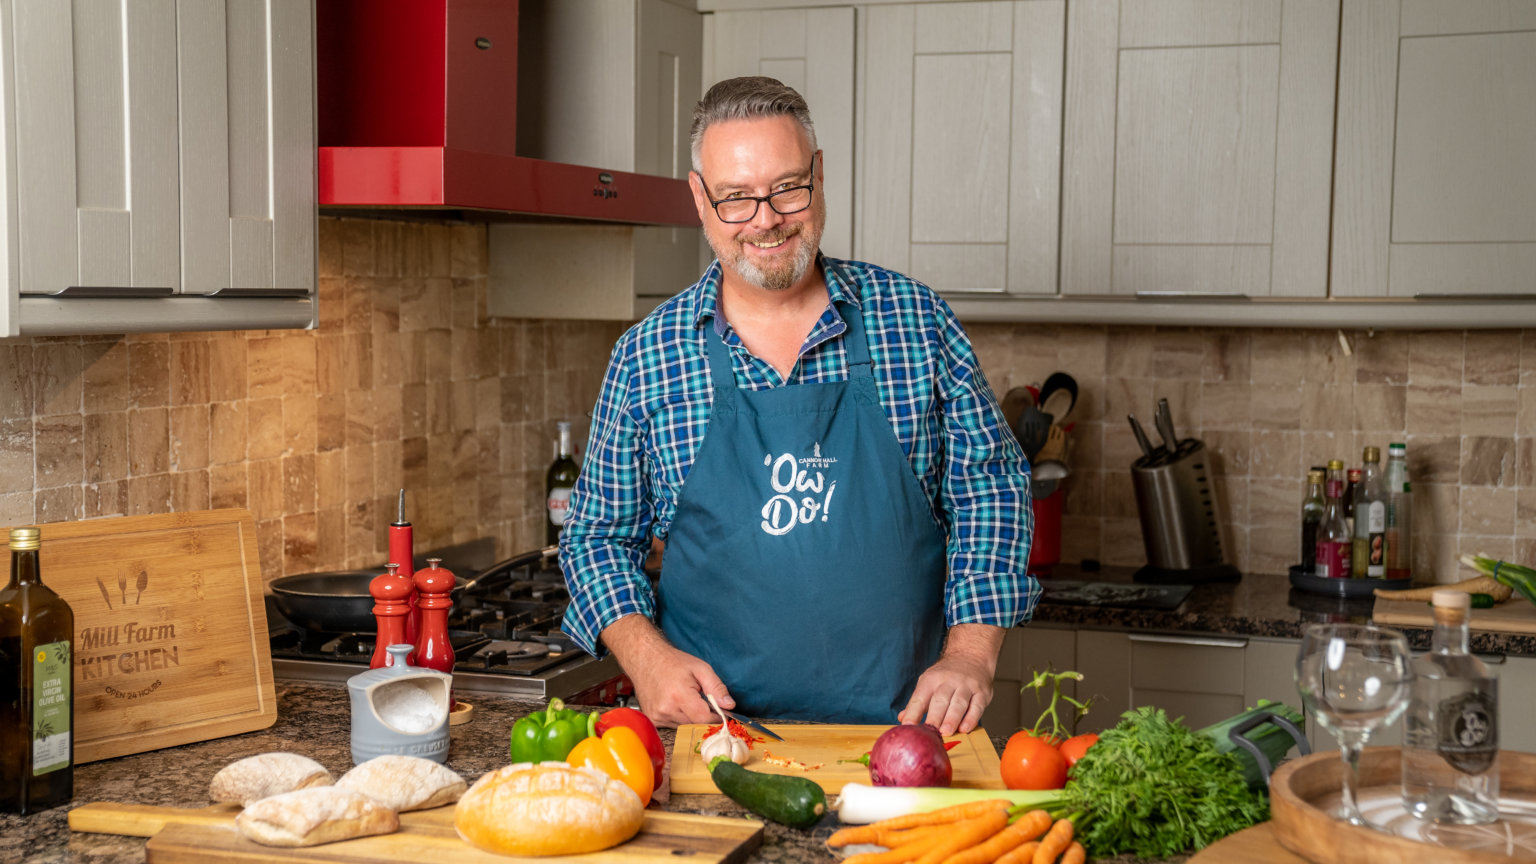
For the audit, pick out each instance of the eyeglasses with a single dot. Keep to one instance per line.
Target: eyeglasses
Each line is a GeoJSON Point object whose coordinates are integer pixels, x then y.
{"type": "Point", "coordinates": [743, 208]}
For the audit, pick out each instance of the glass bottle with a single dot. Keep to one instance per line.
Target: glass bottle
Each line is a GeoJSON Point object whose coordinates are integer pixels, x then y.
{"type": "Point", "coordinates": [1353, 476]}
{"type": "Point", "coordinates": [1399, 535]}
{"type": "Point", "coordinates": [1368, 560]}
{"type": "Point", "coordinates": [1333, 540]}
{"type": "Point", "coordinates": [1312, 508]}
{"type": "Point", "coordinates": [1450, 770]}
{"type": "Point", "coordinates": [37, 637]}
{"type": "Point", "coordinates": [558, 484]}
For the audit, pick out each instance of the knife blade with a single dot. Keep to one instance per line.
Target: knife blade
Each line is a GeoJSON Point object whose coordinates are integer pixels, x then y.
{"type": "Point", "coordinates": [1164, 420]}
{"type": "Point", "coordinates": [1141, 436]}
{"type": "Point", "coordinates": [752, 724]}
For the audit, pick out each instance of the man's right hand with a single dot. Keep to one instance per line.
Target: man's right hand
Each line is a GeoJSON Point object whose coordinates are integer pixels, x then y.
{"type": "Point", "coordinates": [669, 683]}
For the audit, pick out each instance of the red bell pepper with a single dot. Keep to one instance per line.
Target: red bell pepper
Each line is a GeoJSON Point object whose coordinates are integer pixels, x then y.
{"type": "Point", "coordinates": [642, 726]}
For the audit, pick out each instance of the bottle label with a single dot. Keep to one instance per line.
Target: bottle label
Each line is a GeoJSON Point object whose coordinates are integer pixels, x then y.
{"type": "Point", "coordinates": [50, 707]}
{"type": "Point", "coordinates": [1333, 559]}
{"type": "Point", "coordinates": [558, 503]}
{"type": "Point", "coordinates": [1467, 736]}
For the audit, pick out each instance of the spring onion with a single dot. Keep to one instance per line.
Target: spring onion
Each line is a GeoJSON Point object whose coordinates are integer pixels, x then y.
{"type": "Point", "coordinates": [1522, 579]}
{"type": "Point", "coordinates": [861, 804]}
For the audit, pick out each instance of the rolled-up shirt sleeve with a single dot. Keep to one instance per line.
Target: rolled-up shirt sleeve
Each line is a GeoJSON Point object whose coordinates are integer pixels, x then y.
{"type": "Point", "coordinates": [984, 495]}
{"type": "Point", "coordinates": [605, 538]}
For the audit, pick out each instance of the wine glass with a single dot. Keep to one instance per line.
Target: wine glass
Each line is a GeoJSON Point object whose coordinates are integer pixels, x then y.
{"type": "Point", "coordinates": [1354, 679]}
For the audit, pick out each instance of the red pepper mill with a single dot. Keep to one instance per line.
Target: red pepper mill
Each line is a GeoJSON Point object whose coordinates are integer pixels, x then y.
{"type": "Point", "coordinates": [400, 553]}
{"type": "Point", "coordinates": [390, 591]}
{"type": "Point", "coordinates": [434, 597]}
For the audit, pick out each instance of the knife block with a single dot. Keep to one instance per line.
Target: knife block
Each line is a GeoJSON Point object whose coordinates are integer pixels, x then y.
{"type": "Point", "coordinates": [1181, 521]}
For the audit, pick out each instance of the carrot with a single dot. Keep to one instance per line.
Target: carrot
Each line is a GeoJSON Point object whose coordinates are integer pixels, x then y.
{"type": "Point", "coordinates": [1031, 825]}
{"type": "Point", "coordinates": [887, 837]}
{"type": "Point", "coordinates": [956, 813]}
{"type": "Point", "coordinates": [903, 836]}
{"type": "Point", "coordinates": [1055, 842]}
{"type": "Point", "coordinates": [1021, 855]}
{"type": "Point", "coordinates": [901, 854]}
{"type": "Point", "coordinates": [964, 835]}
{"type": "Point", "coordinates": [1075, 854]}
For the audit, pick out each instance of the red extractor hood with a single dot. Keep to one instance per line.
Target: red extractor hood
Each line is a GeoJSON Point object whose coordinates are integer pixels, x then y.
{"type": "Point", "coordinates": [417, 109]}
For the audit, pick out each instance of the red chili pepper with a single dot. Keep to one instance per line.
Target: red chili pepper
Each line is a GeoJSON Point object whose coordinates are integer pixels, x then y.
{"type": "Point", "coordinates": [950, 745]}
{"type": "Point", "coordinates": [737, 730]}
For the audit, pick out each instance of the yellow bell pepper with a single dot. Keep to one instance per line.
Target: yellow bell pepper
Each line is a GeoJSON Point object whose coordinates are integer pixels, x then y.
{"type": "Point", "coordinates": [620, 754]}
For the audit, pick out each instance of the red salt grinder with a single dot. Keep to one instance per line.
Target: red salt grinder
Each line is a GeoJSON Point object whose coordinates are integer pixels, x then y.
{"type": "Point", "coordinates": [400, 552]}
{"type": "Point", "coordinates": [389, 590]}
{"type": "Point", "coordinates": [434, 596]}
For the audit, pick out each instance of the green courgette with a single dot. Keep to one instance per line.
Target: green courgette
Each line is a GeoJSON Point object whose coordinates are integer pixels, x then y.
{"type": "Point", "coordinates": [792, 801]}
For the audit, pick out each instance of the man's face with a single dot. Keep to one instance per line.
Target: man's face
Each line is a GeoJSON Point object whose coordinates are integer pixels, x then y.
{"type": "Point", "coordinates": [757, 158]}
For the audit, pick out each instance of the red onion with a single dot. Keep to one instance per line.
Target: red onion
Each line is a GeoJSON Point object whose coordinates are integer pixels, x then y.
{"type": "Point", "coordinates": [909, 756]}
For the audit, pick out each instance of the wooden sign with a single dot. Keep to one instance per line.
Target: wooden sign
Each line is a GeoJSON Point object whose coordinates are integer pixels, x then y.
{"type": "Point", "coordinates": [171, 640]}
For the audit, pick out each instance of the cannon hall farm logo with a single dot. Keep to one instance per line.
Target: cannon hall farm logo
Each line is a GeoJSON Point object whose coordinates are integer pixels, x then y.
{"type": "Point", "coordinates": [131, 650]}
{"type": "Point", "coordinates": [801, 492]}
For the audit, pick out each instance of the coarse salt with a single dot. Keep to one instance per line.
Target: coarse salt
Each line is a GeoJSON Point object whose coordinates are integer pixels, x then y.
{"type": "Point", "coordinates": [407, 707]}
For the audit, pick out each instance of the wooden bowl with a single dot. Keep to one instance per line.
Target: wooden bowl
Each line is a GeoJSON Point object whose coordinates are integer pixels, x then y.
{"type": "Point", "coordinates": [1301, 826]}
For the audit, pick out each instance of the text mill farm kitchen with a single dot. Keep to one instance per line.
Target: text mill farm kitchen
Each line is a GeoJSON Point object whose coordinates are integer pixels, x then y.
{"type": "Point", "coordinates": [141, 656]}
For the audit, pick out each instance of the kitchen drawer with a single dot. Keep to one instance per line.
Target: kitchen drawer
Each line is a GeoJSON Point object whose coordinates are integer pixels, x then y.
{"type": "Point", "coordinates": [1187, 664]}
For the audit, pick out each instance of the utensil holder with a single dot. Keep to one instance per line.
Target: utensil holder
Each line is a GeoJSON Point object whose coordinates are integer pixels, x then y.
{"type": "Point", "coordinates": [1181, 523]}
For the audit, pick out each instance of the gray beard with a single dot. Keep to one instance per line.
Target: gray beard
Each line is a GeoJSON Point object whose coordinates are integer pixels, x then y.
{"type": "Point", "coordinates": [775, 280]}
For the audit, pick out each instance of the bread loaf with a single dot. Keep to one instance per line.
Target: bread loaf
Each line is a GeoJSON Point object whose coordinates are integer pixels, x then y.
{"type": "Point", "coordinates": [547, 809]}
{"type": "Point", "coordinates": [256, 777]}
{"type": "Point", "coordinates": [308, 817]}
{"type": "Point", "coordinates": [404, 783]}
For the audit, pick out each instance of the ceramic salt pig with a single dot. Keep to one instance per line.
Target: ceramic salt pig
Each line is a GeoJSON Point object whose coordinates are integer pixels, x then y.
{"type": "Point", "coordinates": [399, 709]}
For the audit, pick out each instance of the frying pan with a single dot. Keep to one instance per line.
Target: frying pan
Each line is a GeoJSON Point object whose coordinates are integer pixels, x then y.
{"type": "Point", "coordinates": [338, 601]}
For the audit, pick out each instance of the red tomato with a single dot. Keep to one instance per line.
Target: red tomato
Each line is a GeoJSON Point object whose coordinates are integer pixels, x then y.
{"type": "Point", "coordinates": [1032, 763]}
{"type": "Point", "coordinates": [1073, 748]}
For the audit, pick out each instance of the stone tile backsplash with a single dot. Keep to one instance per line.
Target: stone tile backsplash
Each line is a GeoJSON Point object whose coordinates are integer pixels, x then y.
{"type": "Point", "coordinates": [407, 383]}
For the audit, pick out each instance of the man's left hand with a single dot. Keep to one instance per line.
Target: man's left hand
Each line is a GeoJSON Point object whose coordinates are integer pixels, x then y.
{"type": "Point", "coordinates": [954, 691]}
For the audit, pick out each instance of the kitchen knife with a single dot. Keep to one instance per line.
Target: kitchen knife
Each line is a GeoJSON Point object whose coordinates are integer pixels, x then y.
{"type": "Point", "coordinates": [1164, 420]}
{"type": "Point", "coordinates": [752, 724]}
{"type": "Point", "coordinates": [1141, 435]}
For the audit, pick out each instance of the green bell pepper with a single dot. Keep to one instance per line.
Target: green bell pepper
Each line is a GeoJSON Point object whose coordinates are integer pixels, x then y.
{"type": "Point", "coordinates": [549, 735]}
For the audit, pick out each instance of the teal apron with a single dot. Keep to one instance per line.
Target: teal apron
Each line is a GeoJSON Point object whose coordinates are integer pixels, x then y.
{"type": "Point", "coordinates": [804, 562]}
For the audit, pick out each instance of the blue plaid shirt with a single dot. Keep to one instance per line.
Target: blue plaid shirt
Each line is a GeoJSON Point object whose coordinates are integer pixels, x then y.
{"type": "Point", "coordinates": [654, 410]}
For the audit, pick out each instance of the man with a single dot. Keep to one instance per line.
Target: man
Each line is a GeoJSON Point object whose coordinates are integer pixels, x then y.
{"type": "Point", "coordinates": [814, 441]}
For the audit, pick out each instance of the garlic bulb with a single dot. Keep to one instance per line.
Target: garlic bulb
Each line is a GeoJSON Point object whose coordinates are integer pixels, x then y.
{"type": "Point", "coordinates": [722, 743]}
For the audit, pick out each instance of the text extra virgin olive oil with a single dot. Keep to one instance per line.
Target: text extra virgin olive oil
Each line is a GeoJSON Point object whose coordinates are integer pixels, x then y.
{"type": "Point", "coordinates": [37, 637]}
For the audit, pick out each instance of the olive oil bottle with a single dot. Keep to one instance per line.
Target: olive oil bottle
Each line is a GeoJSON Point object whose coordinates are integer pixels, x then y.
{"type": "Point", "coordinates": [37, 638]}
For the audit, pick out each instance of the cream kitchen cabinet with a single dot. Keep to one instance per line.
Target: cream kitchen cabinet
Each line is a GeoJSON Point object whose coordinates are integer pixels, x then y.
{"type": "Point", "coordinates": [1436, 155]}
{"type": "Point", "coordinates": [1204, 679]}
{"type": "Point", "coordinates": [959, 154]}
{"type": "Point", "coordinates": [160, 166]}
{"type": "Point", "coordinates": [812, 51]}
{"type": "Point", "coordinates": [1197, 144]}
{"type": "Point", "coordinates": [1026, 650]}
{"type": "Point", "coordinates": [571, 54]}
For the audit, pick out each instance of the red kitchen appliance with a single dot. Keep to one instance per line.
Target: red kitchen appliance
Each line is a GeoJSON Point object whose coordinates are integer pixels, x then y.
{"type": "Point", "coordinates": [417, 108]}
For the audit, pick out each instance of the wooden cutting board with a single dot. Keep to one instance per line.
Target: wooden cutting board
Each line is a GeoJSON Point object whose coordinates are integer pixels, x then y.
{"type": "Point", "coordinates": [1515, 615]}
{"type": "Point", "coordinates": [171, 641]}
{"type": "Point", "coordinates": [209, 834]}
{"type": "Point", "coordinates": [974, 759]}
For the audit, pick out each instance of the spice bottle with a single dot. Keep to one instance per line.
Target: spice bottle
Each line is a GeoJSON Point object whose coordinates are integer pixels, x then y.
{"type": "Point", "coordinates": [1399, 513]}
{"type": "Point", "coordinates": [1312, 508]}
{"type": "Point", "coordinates": [391, 593]}
{"type": "Point", "coordinates": [434, 596]}
{"type": "Point", "coordinates": [1333, 540]}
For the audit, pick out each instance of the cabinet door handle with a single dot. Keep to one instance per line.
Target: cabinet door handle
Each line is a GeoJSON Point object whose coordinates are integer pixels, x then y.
{"type": "Point", "coordinates": [1206, 641]}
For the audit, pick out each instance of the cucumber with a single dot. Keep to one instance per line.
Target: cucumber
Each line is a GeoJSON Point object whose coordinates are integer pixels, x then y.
{"type": "Point", "coordinates": [792, 801]}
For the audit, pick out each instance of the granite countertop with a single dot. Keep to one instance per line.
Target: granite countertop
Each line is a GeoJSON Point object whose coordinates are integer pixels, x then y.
{"type": "Point", "coordinates": [314, 719]}
{"type": "Point", "coordinates": [1259, 604]}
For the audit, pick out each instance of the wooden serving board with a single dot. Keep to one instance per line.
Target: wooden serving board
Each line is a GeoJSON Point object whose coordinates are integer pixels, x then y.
{"type": "Point", "coordinates": [1515, 615]}
{"type": "Point", "coordinates": [974, 759]}
{"type": "Point", "coordinates": [209, 834]}
{"type": "Point", "coordinates": [1253, 845]}
{"type": "Point", "coordinates": [171, 641]}
{"type": "Point", "coordinates": [1302, 790]}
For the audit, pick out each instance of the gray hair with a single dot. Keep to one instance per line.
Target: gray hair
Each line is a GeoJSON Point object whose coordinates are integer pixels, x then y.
{"type": "Point", "coordinates": [747, 98]}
